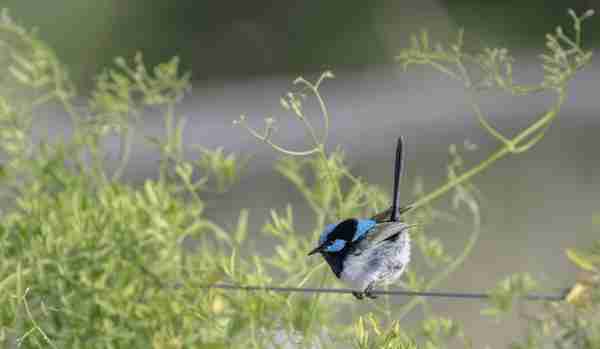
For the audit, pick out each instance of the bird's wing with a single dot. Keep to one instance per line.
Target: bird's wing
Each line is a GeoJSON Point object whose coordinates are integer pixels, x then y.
{"type": "Point", "coordinates": [386, 216]}
{"type": "Point", "coordinates": [383, 231]}
{"type": "Point", "coordinates": [377, 234]}
{"type": "Point", "coordinates": [383, 216]}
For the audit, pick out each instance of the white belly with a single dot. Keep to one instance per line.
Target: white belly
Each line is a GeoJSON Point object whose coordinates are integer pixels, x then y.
{"type": "Point", "coordinates": [382, 263]}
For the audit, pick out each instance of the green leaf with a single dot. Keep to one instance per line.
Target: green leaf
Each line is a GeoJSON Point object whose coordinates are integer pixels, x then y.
{"type": "Point", "coordinates": [179, 128]}
{"type": "Point", "coordinates": [150, 193]}
{"type": "Point", "coordinates": [10, 281]}
{"type": "Point", "coordinates": [242, 227]}
{"type": "Point", "coordinates": [583, 262]}
{"type": "Point", "coordinates": [19, 75]}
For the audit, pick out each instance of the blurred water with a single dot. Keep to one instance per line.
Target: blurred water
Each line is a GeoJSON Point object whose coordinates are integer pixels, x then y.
{"type": "Point", "coordinates": [536, 204]}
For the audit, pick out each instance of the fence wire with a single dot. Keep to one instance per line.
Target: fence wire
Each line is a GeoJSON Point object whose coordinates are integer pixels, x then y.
{"type": "Point", "coordinates": [452, 295]}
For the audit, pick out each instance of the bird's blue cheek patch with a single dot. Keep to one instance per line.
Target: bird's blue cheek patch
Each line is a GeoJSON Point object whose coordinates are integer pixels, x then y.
{"type": "Point", "coordinates": [363, 226]}
{"type": "Point", "coordinates": [328, 229]}
{"type": "Point", "coordinates": [336, 246]}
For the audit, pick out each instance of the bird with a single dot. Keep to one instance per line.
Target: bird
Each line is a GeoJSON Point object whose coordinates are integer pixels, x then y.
{"type": "Point", "coordinates": [365, 252]}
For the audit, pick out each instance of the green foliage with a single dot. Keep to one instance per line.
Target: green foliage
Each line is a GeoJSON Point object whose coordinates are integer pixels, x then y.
{"type": "Point", "coordinates": [369, 334]}
{"type": "Point", "coordinates": [98, 260]}
{"type": "Point", "coordinates": [507, 291]}
{"type": "Point", "coordinates": [439, 331]}
{"type": "Point", "coordinates": [574, 323]}
{"type": "Point", "coordinates": [90, 261]}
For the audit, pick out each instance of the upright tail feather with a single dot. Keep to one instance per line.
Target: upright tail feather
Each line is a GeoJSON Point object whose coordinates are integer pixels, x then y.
{"type": "Point", "coordinates": [398, 167]}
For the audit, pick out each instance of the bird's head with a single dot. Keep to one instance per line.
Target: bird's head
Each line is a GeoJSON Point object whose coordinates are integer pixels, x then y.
{"type": "Point", "coordinates": [335, 238]}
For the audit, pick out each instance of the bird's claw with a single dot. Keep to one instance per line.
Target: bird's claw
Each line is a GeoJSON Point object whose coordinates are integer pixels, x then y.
{"type": "Point", "coordinates": [358, 295]}
{"type": "Point", "coordinates": [368, 292]}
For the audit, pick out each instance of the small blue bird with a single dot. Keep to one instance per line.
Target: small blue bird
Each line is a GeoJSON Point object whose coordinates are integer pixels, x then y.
{"type": "Point", "coordinates": [369, 252]}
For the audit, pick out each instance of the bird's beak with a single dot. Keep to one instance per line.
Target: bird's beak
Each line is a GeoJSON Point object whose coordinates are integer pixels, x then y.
{"type": "Point", "coordinates": [317, 249]}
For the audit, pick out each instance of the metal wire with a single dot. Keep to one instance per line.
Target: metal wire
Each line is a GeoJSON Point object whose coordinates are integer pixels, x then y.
{"type": "Point", "coordinates": [456, 295]}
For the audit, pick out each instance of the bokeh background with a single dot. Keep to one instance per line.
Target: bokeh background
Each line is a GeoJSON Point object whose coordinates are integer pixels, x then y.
{"type": "Point", "coordinates": [244, 55]}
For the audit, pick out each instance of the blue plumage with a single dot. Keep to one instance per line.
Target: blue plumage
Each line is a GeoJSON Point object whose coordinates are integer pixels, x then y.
{"type": "Point", "coordinates": [367, 252]}
{"type": "Point", "coordinates": [363, 226]}
{"type": "Point", "coordinates": [328, 229]}
{"type": "Point", "coordinates": [336, 246]}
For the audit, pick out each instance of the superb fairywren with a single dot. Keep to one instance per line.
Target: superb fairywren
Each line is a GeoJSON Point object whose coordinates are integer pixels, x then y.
{"type": "Point", "coordinates": [366, 252]}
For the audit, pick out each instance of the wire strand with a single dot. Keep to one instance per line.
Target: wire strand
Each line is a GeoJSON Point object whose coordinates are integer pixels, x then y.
{"type": "Point", "coordinates": [457, 295]}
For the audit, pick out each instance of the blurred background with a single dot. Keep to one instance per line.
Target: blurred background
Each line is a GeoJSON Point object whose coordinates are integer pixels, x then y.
{"type": "Point", "coordinates": [231, 39]}
{"type": "Point", "coordinates": [244, 55]}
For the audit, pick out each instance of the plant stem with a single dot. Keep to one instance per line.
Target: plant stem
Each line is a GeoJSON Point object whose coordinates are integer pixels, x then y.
{"type": "Point", "coordinates": [510, 146]}
{"type": "Point", "coordinates": [460, 179]}
{"type": "Point", "coordinates": [453, 266]}
{"type": "Point", "coordinates": [336, 184]}
{"type": "Point", "coordinates": [167, 148]}
{"type": "Point", "coordinates": [126, 143]}
{"type": "Point", "coordinates": [315, 301]}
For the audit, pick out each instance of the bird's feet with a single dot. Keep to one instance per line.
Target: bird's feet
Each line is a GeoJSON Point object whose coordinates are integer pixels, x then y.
{"type": "Point", "coordinates": [358, 295]}
{"type": "Point", "coordinates": [368, 292]}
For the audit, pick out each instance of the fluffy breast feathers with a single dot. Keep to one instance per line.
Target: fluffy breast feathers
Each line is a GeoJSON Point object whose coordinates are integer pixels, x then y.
{"type": "Point", "coordinates": [380, 258]}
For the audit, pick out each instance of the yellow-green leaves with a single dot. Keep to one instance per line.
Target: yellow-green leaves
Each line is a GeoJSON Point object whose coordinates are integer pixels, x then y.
{"type": "Point", "coordinates": [566, 55]}
{"type": "Point", "coordinates": [163, 85]}
{"type": "Point", "coordinates": [279, 225]}
{"type": "Point", "coordinates": [438, 331]}
{"type": "Point", "coordinates": [241, 231]}
{"type": "Point", "coordinates": [507, 291]}
{"type": "Point", "coordinates": [370, 334]}
{"type": "Point", "coordinates": [432, 249]}
{"type": "Point", "coordinates": [583, 261]}
{"type": "Point", "coordinates": [224, 169]}
{"type": "Point", "coordinates": [585, 288]}
{"type": "Point", "coordinates": [151, 195]}
{"type": "Point", "coordinates": [32, 67]}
